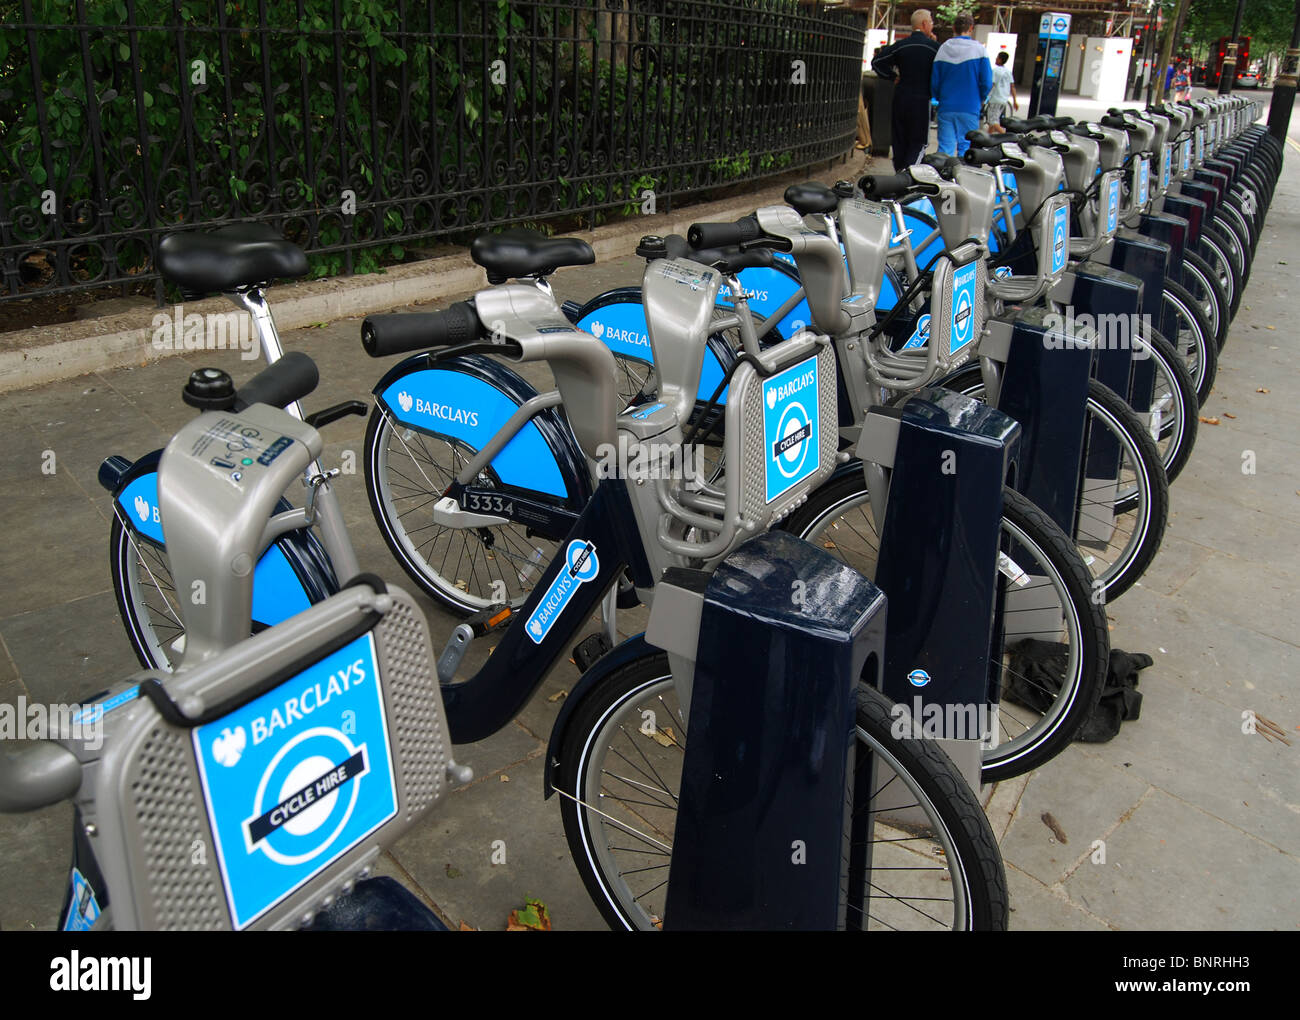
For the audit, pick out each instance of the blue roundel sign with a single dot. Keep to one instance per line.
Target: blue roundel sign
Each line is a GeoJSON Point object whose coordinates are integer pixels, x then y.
{"type": "Point", "coordinates": [918, 678]}
{"type": "Point", "coordinates": [296, 778]}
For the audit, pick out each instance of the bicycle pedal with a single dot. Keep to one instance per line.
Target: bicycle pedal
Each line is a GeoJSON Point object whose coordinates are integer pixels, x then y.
{"type": "Point", "coordinates": [590, 649]}
{"type": "Point", "coordinates": [485, 621]}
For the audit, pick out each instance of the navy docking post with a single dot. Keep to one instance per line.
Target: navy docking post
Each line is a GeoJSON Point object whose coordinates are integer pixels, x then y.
{"type": "Point", "coordinates": [1045, 389]}
{"type": "Point", "coordinates": [786, 633]}
{"type": "Point", "coordinates": [938, 558]}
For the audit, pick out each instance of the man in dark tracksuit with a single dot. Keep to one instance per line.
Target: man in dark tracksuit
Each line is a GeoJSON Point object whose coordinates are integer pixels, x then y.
{"type": "Point", "coordinates": [909, 62]}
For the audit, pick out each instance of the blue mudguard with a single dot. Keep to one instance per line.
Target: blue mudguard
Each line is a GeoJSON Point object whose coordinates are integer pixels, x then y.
{"type": "Point", "coordinates": [468, 399]}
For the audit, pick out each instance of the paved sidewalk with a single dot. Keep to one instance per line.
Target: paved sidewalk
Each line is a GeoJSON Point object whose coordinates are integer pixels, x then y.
{"type": "Point", "coordinates": [1200, 821]}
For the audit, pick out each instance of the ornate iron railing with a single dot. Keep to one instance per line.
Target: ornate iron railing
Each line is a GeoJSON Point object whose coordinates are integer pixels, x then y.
{"type": "Point", "coordinates": [362, 128]}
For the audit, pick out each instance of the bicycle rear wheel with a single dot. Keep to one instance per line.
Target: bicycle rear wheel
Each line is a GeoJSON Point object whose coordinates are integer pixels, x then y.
{"type": "Point", "coordinates": [934, 860]}
{"type": "Point", "coordinates": [146, 598]}
{"type": "Point", "coordinates": [466, 569]}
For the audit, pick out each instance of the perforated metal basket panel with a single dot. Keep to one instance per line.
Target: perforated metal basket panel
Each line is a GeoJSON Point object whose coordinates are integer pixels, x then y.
{"type": "Point", "coordinates": [178, 866]}
{"type": "Point", "coordinates": [150, 805]}
{"type": "Point", "coordinates": [418, 733]}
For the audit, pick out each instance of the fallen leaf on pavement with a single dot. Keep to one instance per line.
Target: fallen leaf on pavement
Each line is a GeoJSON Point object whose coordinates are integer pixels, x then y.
{"type": "Point", "coordinates": [505, 778]}
{"type": "Point", "coordinates": [1262, 389]}
{"type": "Point", "coordinates": [532, 916]}
{"type": "Point", "coordinates": [1055, 826]}
{"type": "Point", "coordinates": [1227, 415]}
{"type": "Point", "coordinates": [1209, 421]}
{"type": "Point", "coordinates": [452, 872]}
{"type": "Point", "coordinates": [466, 927]}
{"type": "Point", "coordinates": [558, 695]}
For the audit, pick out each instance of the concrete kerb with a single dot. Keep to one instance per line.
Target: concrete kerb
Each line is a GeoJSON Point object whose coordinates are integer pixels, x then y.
{"type": "Point", "coordinates": [45, 354]}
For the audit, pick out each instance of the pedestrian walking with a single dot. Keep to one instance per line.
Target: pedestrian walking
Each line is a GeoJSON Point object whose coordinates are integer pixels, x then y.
{"type": "Point", "coordinates": [908, 63]}
{"type": "Point", "coordinates": [960, 81]}
{"type": "Point", "coordinates": [1002, 97]}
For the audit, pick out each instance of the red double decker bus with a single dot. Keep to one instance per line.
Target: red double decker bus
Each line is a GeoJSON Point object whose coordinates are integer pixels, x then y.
{"type": "Point", "coordinates": [1214, 70]}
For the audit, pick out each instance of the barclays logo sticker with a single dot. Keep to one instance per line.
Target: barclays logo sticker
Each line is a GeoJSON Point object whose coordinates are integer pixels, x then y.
{"type": "Point", "coordinates": [138, 506]}
{"type": "Point", "coordinates": [581, 565]}
{"type": "Point", "coordinates": [918, 678]}
{"type": "Point", "coordinates": [622, 329]}
{"type": "Point", "coordinates": [229, 746]}
{"type": "Point", "coordinates": [790, 426]}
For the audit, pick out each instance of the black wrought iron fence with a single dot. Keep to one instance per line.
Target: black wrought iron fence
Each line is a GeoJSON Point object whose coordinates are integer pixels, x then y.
{"type": "Point", "coordinates": [362, 128]}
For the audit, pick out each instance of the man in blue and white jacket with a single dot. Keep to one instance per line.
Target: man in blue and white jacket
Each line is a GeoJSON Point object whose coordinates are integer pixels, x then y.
{"type": "Point", "coordinates": [960, 82]}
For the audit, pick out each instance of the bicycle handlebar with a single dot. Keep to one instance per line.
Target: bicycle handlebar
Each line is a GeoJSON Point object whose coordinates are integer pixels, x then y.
{"type": "Point", "coordinates": [289, 379]}
{"type": "Point", "coordinates": [887, 185]}
{"type": "Point", "coordinates": [945, 164]}
{"type": "Point", "coordinates": [401, 332]}
{"type": "Point", "coordinates": [988, 157]}
{"type": "Point", "coordinates": [723, 235]}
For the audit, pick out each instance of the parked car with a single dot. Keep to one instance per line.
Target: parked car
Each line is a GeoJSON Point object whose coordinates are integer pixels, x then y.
{"type": "Point", "coordinates": [1247, 80]}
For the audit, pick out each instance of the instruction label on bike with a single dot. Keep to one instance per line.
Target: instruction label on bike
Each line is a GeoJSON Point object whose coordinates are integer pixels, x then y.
{"type": "Point", "coordinates": [1060, 238]}
{"type": "Point", "coordinates": [1112, 206]}
{"type": "Point", "coordinates": [790, 426]}
{"type": "Point", "coordinates": [1187, 153]}
{"type": "Point", "coordinates": [296, 778]}
{"type": "Point", "coordinates": [1167, 167]}
{"type": "Point", "coordinates": [963, 307]}
{"type": "Point", "coordinates": [580, 565]}
{"type": "Point", "coordinates": [1144, 180]}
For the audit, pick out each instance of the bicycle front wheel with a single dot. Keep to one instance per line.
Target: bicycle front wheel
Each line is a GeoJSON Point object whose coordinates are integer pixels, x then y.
{"type": "Point", "coordinates": [934, 862]}
{"type": "Point", "coordinates": [1046, 592]}
{"type": "Point", "coordinates": [1193, 339]}
{"type": "Point", "coordinates": [1206, 287]}
{"type": "Point", "coordinates": [1123, 505]}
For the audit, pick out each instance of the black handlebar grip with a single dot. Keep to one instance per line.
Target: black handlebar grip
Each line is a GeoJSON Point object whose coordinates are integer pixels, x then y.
{"type": "Point", "coordinates": [382, 335]}
{"type": "Point", "coordinates": [289, 379]}
{"type": "Point", "coordinates": [982, 157]}
{"type": "Point", "coordinates": [886, 185]}
{"type": "Point", "coordinates": [724, 235]}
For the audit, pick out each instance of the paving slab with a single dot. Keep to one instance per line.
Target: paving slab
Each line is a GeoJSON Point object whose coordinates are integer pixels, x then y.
{"type": "Point", "coordinates": [1170, 866]}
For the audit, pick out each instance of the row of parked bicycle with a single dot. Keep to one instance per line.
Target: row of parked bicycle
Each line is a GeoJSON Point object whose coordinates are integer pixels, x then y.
{"type": "Point", "coordinates": [970, 383]}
